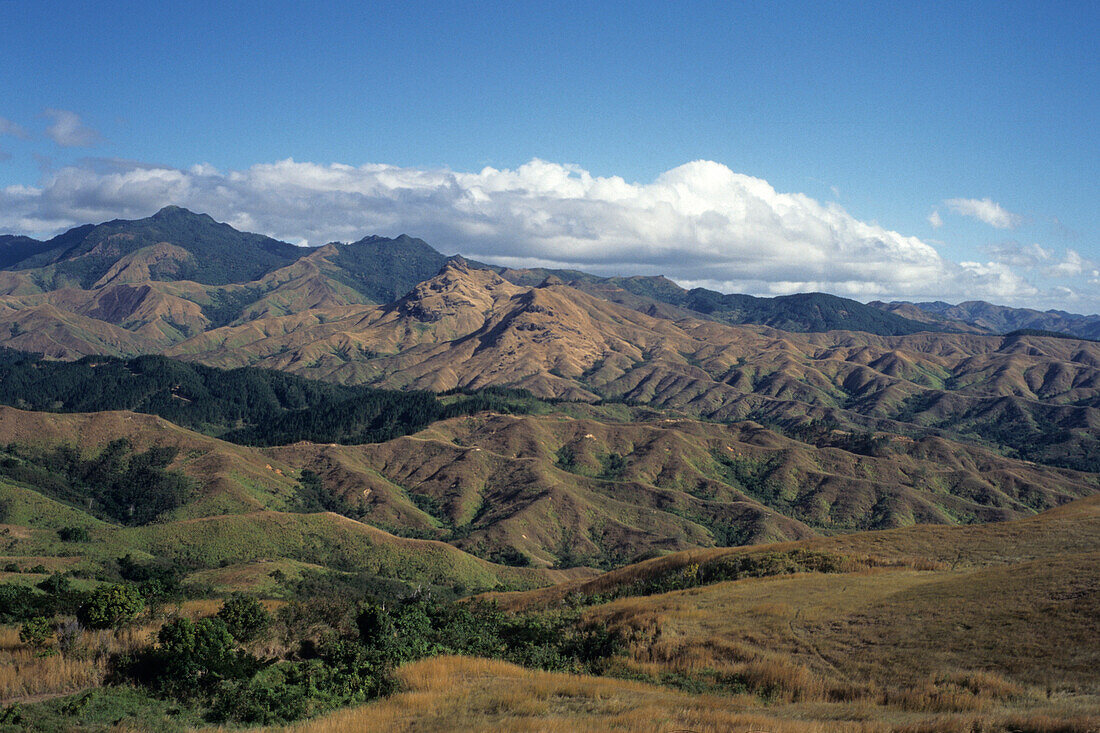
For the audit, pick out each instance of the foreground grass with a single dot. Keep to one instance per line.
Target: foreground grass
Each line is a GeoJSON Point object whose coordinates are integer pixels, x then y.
{"type": "Point", "coordinates": [462, 694]}
{"type": "Point", "coordinates": [27, 675]}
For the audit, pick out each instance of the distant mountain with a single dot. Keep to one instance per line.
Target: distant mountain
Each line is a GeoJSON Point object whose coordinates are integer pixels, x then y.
{"type": "Point", "coordinates": [802, 312]}
{"type": "Point", "coordinates": [986, 317]}
{"type": "Point", "coordinates": [385, 269]}
{"type": "Point", "coordinates": [204, 250]}
{"type": "Point", "coordinates": [14, 249]}
{"type": "Point", "coordinates": [177, 245]}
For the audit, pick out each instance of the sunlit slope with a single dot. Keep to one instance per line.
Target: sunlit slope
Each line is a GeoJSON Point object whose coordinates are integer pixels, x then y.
{"type": "Point", "coordinates": [243, 510]}
{"type": "Point", "coordinates": [918, 617]}
{"type": "Point", "coordinates": [557, 490]}
{"type": "Point", "coordinates": [470, 328]}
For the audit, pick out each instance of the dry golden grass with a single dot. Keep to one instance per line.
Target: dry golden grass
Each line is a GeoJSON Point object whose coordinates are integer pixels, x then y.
{"type": "Point", "coordinates": [1073, 528]}
{"type": "Point", "coordinates": [27, 674]}
{"type": "Point", "coordinates": [463, 694]}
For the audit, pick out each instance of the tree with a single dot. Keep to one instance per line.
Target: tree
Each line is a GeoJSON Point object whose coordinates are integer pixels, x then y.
{"type": "Point", "coordinates": [111, 606]}
{"type": "Point", "coordinates": [244, 616]}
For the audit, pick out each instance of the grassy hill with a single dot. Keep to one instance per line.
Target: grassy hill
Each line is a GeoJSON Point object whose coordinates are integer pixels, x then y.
{"type": "Point", "coordinates": [570, 490]}
{"type": "Point", "coordinates": [951, 620]}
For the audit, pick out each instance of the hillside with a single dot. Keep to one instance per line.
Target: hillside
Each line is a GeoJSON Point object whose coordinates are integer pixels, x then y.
{"type": "Point", "coordinates": [470, 329]}
{"type": "Point", "coordinates": [245, 507]}
{"type": "Point", "coordinates": [951, 619]}
{"type": "Point", "coordinates": [564, 491]}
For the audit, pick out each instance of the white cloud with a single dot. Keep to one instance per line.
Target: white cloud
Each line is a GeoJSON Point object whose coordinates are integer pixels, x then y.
{"type": "Point", "coordinates": [697, 223]}
{"type": "Point", "coordinates": [985, 210]}
{"type": "Point", "coordinates": [935, 219]}
{"type": "Point", "coordinates": [1072, 265]}
{"type": "Point", "coordinates": [1018, 255]}
{"type": "Point", "coordinates": [69, 131]}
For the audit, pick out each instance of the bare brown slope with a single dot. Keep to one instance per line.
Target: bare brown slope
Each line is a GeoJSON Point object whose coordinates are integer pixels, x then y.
{"type": "Point", "coordinates": [554, 487]}
{"type": "Point", "coordinates": [470, 328]}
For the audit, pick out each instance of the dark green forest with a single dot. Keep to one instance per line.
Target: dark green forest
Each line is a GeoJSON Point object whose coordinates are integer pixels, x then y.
{"type": "Point", "coordinates": [248, 406]}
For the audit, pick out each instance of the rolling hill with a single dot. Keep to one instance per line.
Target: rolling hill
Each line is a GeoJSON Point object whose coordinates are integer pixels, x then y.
{"type": "Point", "coordinates": [563, 491]}
{"type": "Point", "coordinates": [469, 328]}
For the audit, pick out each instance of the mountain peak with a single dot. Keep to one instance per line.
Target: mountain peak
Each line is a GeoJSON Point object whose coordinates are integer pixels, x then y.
{"type": "Point", "coordinates": [457, 290]}
{"type": "Point", "coordinates": [178, 212]}
{"type": "Point", "coordinates": [458, 263]}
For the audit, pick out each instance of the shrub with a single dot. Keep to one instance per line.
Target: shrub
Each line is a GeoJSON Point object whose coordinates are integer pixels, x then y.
{"type": "Point", "coordinates": [19, 603]}
{"type": "Point", "coordinates": [244, 616]}
{"type": "Point", "coordinates": [111, 606]}
{"type": "Point", "coordinates": [36, 632]}
{"type": "Point", "coordinates": [196, 653]}
{"type": "Point", "coordinates": [74, 534]}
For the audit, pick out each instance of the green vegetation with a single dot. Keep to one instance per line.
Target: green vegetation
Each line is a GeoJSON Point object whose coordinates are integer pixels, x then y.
{"type": "Point", "coordinates": [36, 632]}
{"type": "Point", "coordinates": [727, 568]}
{"type": "Point", "coordinates": [351, 659]}
{"type": "Point", "coordinates": [247, 406]}
{"type": "Point", "coordinates": [110, 606]}
{"type": "Point", "coordinates": [117, 484]}
{"type": "Point", "coordinates": [385, 269]}
{"type": "Point", "coordinates": [244, 617]}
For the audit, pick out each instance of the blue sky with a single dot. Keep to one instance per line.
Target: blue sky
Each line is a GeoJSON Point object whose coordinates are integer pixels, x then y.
{"type": "Point", "coordinates": [878, 114]}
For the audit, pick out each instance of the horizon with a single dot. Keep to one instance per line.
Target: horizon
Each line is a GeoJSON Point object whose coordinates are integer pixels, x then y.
{"type": "Point", "coordinates": [463, 256]}
{"type": "Point", "coordinates": [766, 150]}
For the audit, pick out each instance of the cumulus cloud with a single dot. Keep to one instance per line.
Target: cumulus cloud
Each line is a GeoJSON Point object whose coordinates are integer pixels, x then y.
{"type": "Point", "coordinates": [69, 131]}
{"type": "Point", "coordinates": [935, 219]}
{"type": "Point", "coordinates": [698, 223]}
{"type": "Point", "coordinates": [985, 210]}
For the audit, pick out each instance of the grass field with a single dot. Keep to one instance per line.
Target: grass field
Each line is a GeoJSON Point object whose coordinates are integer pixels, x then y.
{"type": "Point", "coordinates": [460, 694]}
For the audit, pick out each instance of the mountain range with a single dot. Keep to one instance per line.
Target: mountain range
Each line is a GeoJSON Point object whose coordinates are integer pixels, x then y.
{"type": "Point", "coordinates": [807, 504]}
{"type": "Point", "coordinates": [807, 376]}
{"type": "Point", "coordinates": [177, 273]}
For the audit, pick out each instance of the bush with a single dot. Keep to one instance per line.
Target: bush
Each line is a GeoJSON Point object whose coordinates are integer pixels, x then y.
{"type": "Point", "coordinates": [19, 603]}
{"type": "Point", "coordinates": [195, 654]}
{"type": "Point", "coordinates": [74, 534]}
{"type": "Point", "coordinates": [244, 616]}
{"type": "Point", "coordinates": [36, 632]}
{"type": "Point", "coordinates": [111, 606]}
